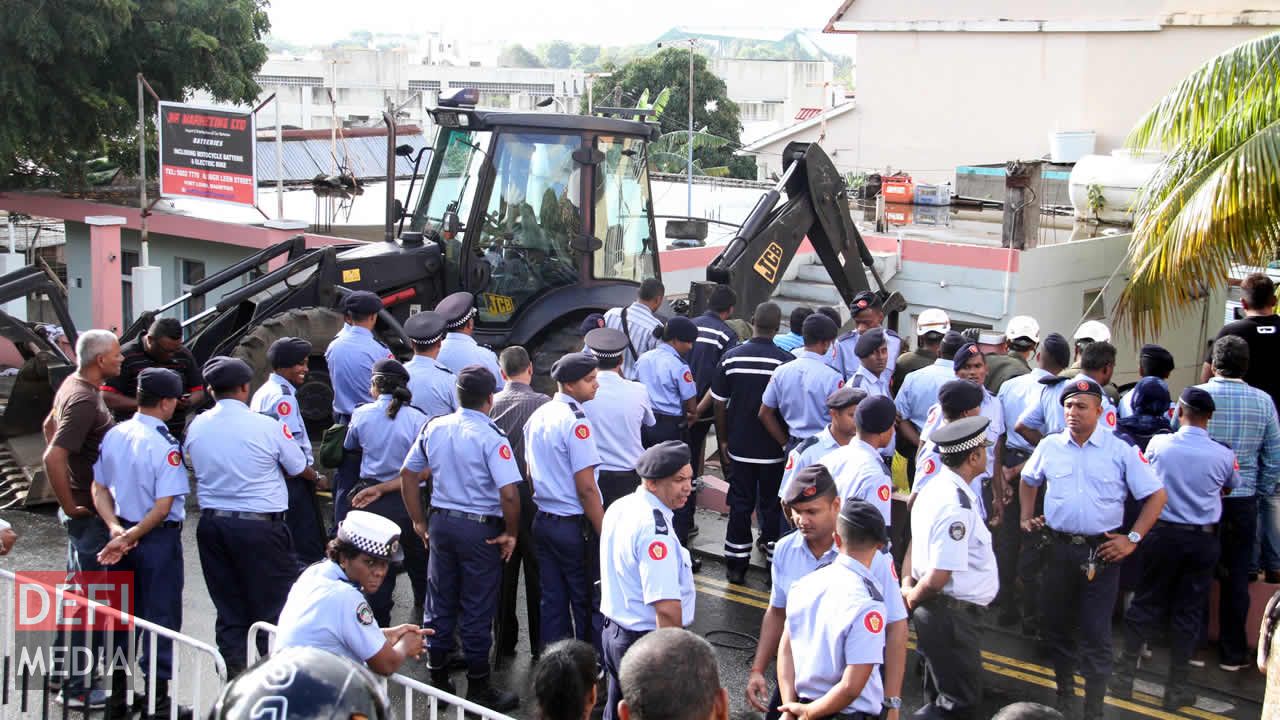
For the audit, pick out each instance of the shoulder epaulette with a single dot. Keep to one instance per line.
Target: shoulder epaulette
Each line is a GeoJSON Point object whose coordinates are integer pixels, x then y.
{"type": "Point", "coordinates": [1224, 444]}
{"type": "Point", "coordinates": [577, 410]}
{"type": "Point", "coordinates": [964, 499]}
{"type": "Point", "coordinates": [492, 425]}
{"type": "Point", "coordinates": [847, 336]}
{"type": "Point", "coordinates": [1052, 380]}
{"type": "Point", "coordinates": [872, 590]}
{"type": "Point", "coordinates": [444, 368]}
{"type": "Point", "coordinates": [286, 389]}
{"type": "Point", "coordinates": [806, 444]}
{"type": "Point", "coordinates": [891, 333]}
{"type": "Point", "coordinates": [659, 522]}
{"type": "Point", "coordinates": [164, 433]}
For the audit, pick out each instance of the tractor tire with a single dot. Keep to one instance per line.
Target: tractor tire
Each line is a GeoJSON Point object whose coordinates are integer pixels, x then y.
{"type": "Point", "coordinates": [316, 325]}
{"type": "Point", "coordinates": [552, 344]}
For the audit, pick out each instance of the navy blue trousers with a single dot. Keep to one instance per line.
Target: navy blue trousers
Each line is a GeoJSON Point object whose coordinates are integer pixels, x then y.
{"type": "Point", "coordinates": [568, 569]}
{"type": "Point", "coordinates": [752, 489]}
{"type": "Point", "coordinates": [1076, 613]}
{"type": "Point", "coordinates": [344, 478]}
{"type": "Point", "coordinates": [248, 567]}
{"type": "Point", "coordinates": [391, 506]}
{"type": "Point", "coordinates": [305, 522]}
{"type": "Point", "coordinates": [1173, 591]}
{"type": "Point", "coordinates": [463, 575]}
{"type": "Point", "coordinates": [672, 427]}
{"type": "Point", "coordinates": [1238, 531]}
{"type": "Point", "coordinates": [615, 641]}
{"type": "Point", "coordinates": [158, 578]}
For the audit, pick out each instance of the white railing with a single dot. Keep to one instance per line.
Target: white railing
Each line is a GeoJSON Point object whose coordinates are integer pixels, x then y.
{"type": "Point", "coordinates": [433, 697]}
{"type": "Point", "coordinates": [23, 694]}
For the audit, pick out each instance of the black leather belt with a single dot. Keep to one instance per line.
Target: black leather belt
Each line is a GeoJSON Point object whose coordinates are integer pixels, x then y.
{"type": "Point", "coordinates": [1077, 538]}
{"type": "Point", "coordinates": [560, 518]}
{"type": "Point", "coordinates": [473, 517]}
{"type": "Point", "coordinates": [243, 515]}
{"type": "Point", "coordinates": [954, 604]}
{"type": "Point", "coordinates": [165, 524]}
{"type": "Point", "coordinates": [1189, 527]}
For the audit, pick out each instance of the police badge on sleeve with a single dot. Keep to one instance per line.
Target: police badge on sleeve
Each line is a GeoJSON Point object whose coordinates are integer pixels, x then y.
{"type": "Point", "coordinates": [364, 614]}
{"type": "Point", "coordinates": [956, 531]}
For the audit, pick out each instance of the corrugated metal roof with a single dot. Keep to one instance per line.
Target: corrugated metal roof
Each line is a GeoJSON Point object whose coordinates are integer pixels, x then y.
{"type": "Point", "coordinates": [363, 157]}
{"type": "Point", "coordinates": [808, 113]}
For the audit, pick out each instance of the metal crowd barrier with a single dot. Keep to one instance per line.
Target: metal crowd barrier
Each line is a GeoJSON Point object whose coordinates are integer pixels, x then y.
{"type": "Point", "coordinates": [403, 699]}
{"type": "Point", "coordinates": [198, 669]}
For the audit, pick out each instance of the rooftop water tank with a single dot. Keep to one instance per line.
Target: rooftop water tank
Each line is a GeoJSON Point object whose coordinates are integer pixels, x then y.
{"type": "Point", "coordinates": [1119, 176]}
{"type": "Point", "coordinates": [1068, 146]}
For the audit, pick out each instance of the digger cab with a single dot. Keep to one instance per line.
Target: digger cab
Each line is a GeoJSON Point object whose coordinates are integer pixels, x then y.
{"type": "Point", "coordinates": [533, 206]}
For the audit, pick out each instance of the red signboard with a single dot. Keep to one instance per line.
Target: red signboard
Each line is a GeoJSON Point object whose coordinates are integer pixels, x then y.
{"type": "Point", "coordinates": [207, 153]}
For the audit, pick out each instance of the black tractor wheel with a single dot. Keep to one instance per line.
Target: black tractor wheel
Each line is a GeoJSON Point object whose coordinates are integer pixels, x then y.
{"type": "Point", "coordinates": [316, 325]}
{"type": "Point", "coordinates": [552, 344]}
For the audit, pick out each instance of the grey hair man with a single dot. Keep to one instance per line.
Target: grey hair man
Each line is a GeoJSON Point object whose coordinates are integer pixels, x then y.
{"type": "Point", "coordinates": [671, 674]}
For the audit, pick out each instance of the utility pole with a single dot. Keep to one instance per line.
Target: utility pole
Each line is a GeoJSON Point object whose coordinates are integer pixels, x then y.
{"type": "Point", "coordinates": [693, 42]}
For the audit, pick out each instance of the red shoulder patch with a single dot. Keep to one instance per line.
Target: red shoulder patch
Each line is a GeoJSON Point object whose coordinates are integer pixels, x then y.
{"type": "Point", "coordinates": [930, 466]}
{"type": "Point", "coordinates": [839, 384]}
{"type": "Point", "coordinates": [504, 451]}
{"type": "Point", "coordinates": [657, 550]}
{"type": "Point", "coordinates": [933, 414]}
{"type": "Point", "coordinates": [1143, 457]}
{"type": "Point", "coordinates": [884, 493]}
{"type": "Point", "coordinates": [874, 622]}
{"type": "Point", "coordinates": [283, 407]}
{"type": "Point", "coordinates": [174, 458]}
{"type": "Point", "coordinates": [791, 460]}
{"type": "Point", "coordinates": [1111, 418]}
{"type": "Point", "coordinates": [688, 376]}
{"type": "Point", "coordinates": [582, 432]}
{"type": "Point", "coordinates": [287, 432]}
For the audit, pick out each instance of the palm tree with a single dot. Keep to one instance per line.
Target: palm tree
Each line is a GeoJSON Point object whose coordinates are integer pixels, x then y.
{"type": "Point", "coordinates": [1215, 201]}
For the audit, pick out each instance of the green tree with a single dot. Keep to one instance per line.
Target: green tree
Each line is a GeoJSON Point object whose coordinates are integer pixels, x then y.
{"type": "Point", "coordinates": [517, 56]}
{"type": "Point", "coordinates": [1215, 200]}
{"type": "Point", "coordinates": [558, 54]}
{"type": "Point", "coordinates": [713, 112]}
{"type": "Point", "coordinates": [586, 56]}
{"type": "Point", "coordinates": [68, 85]}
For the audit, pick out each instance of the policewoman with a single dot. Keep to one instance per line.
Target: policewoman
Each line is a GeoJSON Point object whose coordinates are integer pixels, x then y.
{"type": "Point", "coordinates": [646, 576]}
{"type": "Point", "coordinates": [669, 380]}
{"type": "Point", "coordinates": [430, 382]}
{"type": "Point", "coordinates": [467, 464]}
{"type": "Point", "coordinates": [278, 398]}
{"type": "Point", "coordinates": [139, 490]}
{"type": "Point", "coordinates": [874, 372]}
{"type": "Point", "coordinates": [798, 390]}
{"type": "Point", "coordinates": [1087, 472]}
{"type": "Point", "coordinates": [459, 348]}
{"type": "Point", "coordinates": [383, 431]}
{"type": "Point", "coordinates": [560, 452]}
{"type": "Point", "coordinates": [326, 608]}
{"type": "Point", "coordinates": [950, 575]}
{"type": "Point", "coordinates": [241, 459]}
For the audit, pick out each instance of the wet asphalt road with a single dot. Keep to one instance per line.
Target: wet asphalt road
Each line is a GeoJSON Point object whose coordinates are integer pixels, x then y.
{"type": "Point", "coordinates": [727, 615]}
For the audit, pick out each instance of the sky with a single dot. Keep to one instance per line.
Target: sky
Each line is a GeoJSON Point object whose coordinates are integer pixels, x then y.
{"type": "Point", "coordinates": [530, 22]}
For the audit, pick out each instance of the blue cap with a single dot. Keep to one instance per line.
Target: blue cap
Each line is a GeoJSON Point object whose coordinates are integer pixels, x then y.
{"type": "Point", "coordinates": [812, 481]}
{"type": "Point", "coordinates": [951, 342]}
{"type": "Point", "coordinates": [845, 397]}
{"type": "Point", "coordinates": [160, 382]}
{"type": "Point", "coordinates": [361, 302]}
{"type": "Point", "coordinates": [477, 379]}
{"type": "Point", "coordinates": [1080, 385]}
{"type": "Point", "coordinates": [1197, 399]}
{"type": "Point", "coordinates": [965, 354]}
{"type": "Point", "coordinates": [869, 342]}
{"type": "Point", "coordinates": [819, 327]}
{"type": "Point", "coordinates": [959, 396]}
{"type": "Point", "coordinates": [876, 415]}
{"type": "Point", "coordinates": [425, 328]}
{"type": "Point", "coordinates": [573, 367]}
{"type": "Point", "coordinates": [390, 367]}
{"type": "Point", "coordinates": [606, 342]}
{"type": "Point", "coordinates": [226, 372]}
{"type": "Point", "coordinates": [862, 514]}
{"type": "Point", "coordinates": [662, 460]}
{"type": "Point", "coordinates": [1150, 397]}
{"type": "Point", "coordinates": [865, 300]}
{"type": "Point", "coordinates": [680, 328]}
{"type": "Point", "coordinates": [457, 309]}
{"type": "Point", "coordinates": [1058, 349]}
{"type": "Point", "coordinates": [288, 351]}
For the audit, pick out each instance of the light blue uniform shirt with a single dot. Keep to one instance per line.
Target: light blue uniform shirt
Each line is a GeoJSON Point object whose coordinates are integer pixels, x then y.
{"type": "Point", "coordinates": [847, 361]}
{"type": "Point", "coordinates": [836, 617]}
{"type": "Point", "coordinates": [642, 562]}
{"type": "Point", "coordinates": [860, 473]}
{"type": "Point", "coordinates": [668, 379]}
{"type": "Point", "coordinates": [351, 356]}
{"type": "Point", "coordinates": [470, 461]}
{"type": "Point", "coordinates": [806, 453]}
{"type": "Point", "coordinates": [920, 389]}
{"type": "Point", "coordinates": [139, 462]}
{"type": "Point", "coordinates": [559, 440]}
{"type": "Point", "coordinates": [1087, 484]}
{"type": "Point", "coordinates": [1015, 396]}
{"type": "Point", "coordinates": [621, 407]}
{"type": "Point", "coordinates": [238, 456]}
{"type": "Point", "coordinates": [277, 399]}
{"type": "Point", "coordinates": [1194, 469]}
{"type": "Point", "coordinates": [1048, 416]}
{"type": "Point", "coordinates": [327, 611]}
{"type": "Point", "coordinates": [799, 390]}
{"type": "Point", "coordinates": [384, 441]}
{"type": "Point", "coordinates": [460, 350]}
{"type": "Point", "coordinates": [792, 560]}
{"type": "Point", "coordinates": [991, 409]}
{"type": "Point", "coordinates": [876, 387]}
{"type": "Point", "coordinates": [434, 386]}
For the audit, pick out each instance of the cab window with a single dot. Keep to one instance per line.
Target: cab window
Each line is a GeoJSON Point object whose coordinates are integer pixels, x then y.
{"type": "Point", "coordinates": [621, 212]}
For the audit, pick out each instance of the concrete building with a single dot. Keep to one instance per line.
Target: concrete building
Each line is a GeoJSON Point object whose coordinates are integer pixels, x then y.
{"type": "Point", "coordinates": [771, 93]}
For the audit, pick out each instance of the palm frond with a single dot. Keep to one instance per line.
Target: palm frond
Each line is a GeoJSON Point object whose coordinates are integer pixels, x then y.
{"type": "Point", "coordinates": [660, 102]}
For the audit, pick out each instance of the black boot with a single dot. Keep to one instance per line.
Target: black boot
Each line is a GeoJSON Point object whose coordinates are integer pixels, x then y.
{"type": "Point", "coordinates": [1177, 691]}
{"type": "Point", "coordinates": [1121, 681]}
{"type": "Point", "coordinates": [1095, 697]}
{"type": "Point", "coordinates": [118, 703]}
{"type": "Point", "coordinates": [440, 681]}
{"type": "Point", "coordinates": [1066, 701]}
{"type": "Point", "coordinates": [164, 704]}
{"type": "Point", "coordinates": [480, 692]}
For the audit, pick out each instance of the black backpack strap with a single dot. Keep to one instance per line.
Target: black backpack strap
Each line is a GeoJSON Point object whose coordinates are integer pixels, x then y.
{"type": "Point", "coordinates": [626, 330]}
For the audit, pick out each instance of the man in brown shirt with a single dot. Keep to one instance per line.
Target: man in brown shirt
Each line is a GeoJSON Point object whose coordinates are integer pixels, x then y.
{"type": "Point", "coordinates": [74, 431]}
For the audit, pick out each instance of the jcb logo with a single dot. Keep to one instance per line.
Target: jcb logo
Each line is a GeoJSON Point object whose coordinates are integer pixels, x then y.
{"type": "Point", "coordinates": [769, 262]}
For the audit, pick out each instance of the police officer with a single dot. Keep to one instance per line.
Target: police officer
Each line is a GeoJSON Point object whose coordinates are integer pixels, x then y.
{"type": "Point", "coordinates": [951, 575]}
{"type": "Point", "coordinates": [874, 352]}
{"type": "Point", "coordinates": [326, 608]}
{"type": "Point", "coordinates": [957, 400]}
{"type": "Point", "coordinates": [139, 491]}
{"type": "Point", "coordinates": [931, 325]}
{"type": "Point", "coordinates": [383, 431]}
{"type": "Point", "coordinates": [1045, 417]}
{"type": "Point", "coordinates": [560, 452]}
{"type": "Point", "coordinates": [919, 391]}
{"type": "Point", "coordinates": [868, 315]}
{"type": "Point", "coordinates": [459, 348]}
{"type": "Point", "coordinates": [971, 366]}
{"type": "Point", "coordinates": [305, 684]}
{"type": "Point", "coordinates": [715, 337]}
{"type": "Point", "coordinates": [430, 382]}
{"type": "Point", "coordinates": [669, 381]}
{"type": "Point", "coordinates": [620, 411]}
{"type": "Point", "coordinates": [843, 429]}
{"type": "Point", "coordinates": [798, 390]}
{"type": "Point", "coordinates": [471, 471]}
{"type": "Point", "coordinates": [246, 552]}
{"type": "Point", "coordinates": [1086, 471]}
{"type": "Point", "coordinates": [277, 398]}
{"type": "Point", "coordinates": [646, 577]}
{"type": "Point", "coordinates": [1021, 337]}
{"type": "Point", "coordinates": [815, 506]}
{"type": "Point", "coordinates": [1182, 550]}
{"type": "Point", "coordinates": [857, 467]}
{"type": "Point", "coordinates": [835, 625]}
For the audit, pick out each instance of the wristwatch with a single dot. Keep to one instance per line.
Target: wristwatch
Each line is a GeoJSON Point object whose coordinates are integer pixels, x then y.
{"type": "Point", "coordinates": [893, 703]}
{"type": "Point", "coordinates": [1134, 537]}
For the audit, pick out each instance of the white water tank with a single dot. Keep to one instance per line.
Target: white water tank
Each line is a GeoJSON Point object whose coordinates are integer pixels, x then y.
{"type": "Point", "coordinates": [1119, 176]}
{"type": "Point", "coordinates": [1068, 146]}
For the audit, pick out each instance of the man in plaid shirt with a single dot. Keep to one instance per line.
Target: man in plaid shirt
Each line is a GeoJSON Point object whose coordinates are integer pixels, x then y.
{"type": "Point", "coordinates": [1245, 421]}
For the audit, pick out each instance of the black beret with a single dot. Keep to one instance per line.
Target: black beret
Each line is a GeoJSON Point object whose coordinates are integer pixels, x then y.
{"type": "Point", "coordinates": [862, 514]}
{"type": "Point", "coordinates": [457, 309]}
{"type": "Point", "coordinates": [425, 328]}
{"type": "Point", "coordinates": [811, 482]}
{"type": "Point", "coordinates": [288, 351]}
{"type": "Point", "coordinates": [846, 396]}
{"type": "Point", "coordinates": [390, 367]}
{"type": "Point", "coordinates": [819, 327]}
{"type": "Point", "coordinates": [1159, 360]}
{"type": "Point", "coordinates": [961, 435]}
{"type": "Point", "coordinates": [477, 379]}
{"type": "Point", "coordinates": [1058, 349]}
{"type": "Point", "coordinates": [959, 396]}
{"type": "Point", "coordinates": [662, 460]}
{"type": "Point", "coordinates": [965, 354]}
{"type": "Point", "coordinates": [1080, 385]}
{"type": "Point", "coordinates": [573, 367]}
{"type": "Point", "coordinates": [160, 382]}
{"type": "Point", "coordinates": [722, 298]}
{"type": "Point", "coordinates": [681, 328]}
{"type": "Point", "coordinates": [865, 300]}
{"type": "Point", "coordinates": [951, 342]}
{"type": "Point", "coordinates": [606, 342]}
{"type": "Point", "coordinates": [361, 302]}
{"type": "Point", "coordinates": [869, 342]}
{"type": "Point", "coordinates": [876, 415]}
{"type": "Point", "coordinates": [591, 322]}
{"type": "Point", "coordinates": [226, 372]}
{"type": "Point", "coordinates": [1197, 399]}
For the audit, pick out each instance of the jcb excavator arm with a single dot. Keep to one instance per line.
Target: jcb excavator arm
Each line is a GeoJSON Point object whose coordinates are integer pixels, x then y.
{"type": "Point", "coordinates": [754, 262]}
